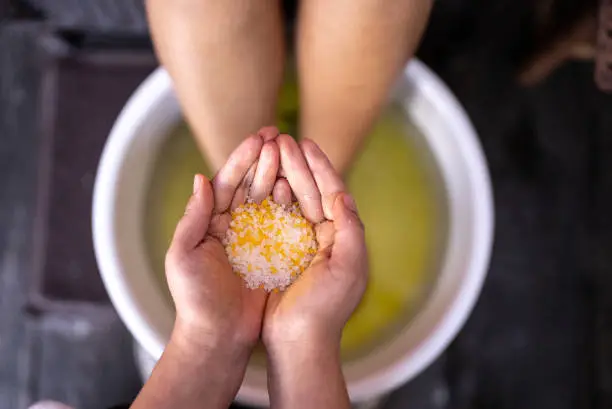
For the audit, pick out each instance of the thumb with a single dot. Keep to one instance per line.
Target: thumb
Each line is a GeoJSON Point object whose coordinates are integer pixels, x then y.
{"type": "Point", "coordinates": [349, 249]}
{"type": "Point", "coordinates": [193, 226]}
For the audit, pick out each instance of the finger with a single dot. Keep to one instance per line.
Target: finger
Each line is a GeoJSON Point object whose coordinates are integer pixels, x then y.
{"type": "Point", "coordinates": [349, 248]}
{"type": "Point", "coordinates": [268, 133]}
{"type": "Point", "coordinates": [231, 175]}
{"type": "Point", "coordinates": [328, 180]}
{"type": "Point", "coordinates": [265, 175]}
{"type": "Point", "coordinates": [300, 179]}
{"type": "Point", "coordinates": [193, 226]}
{"type": "Point", "coordinates": [274, 298]}
{"type": "Point", "coordinates": [325, 239]}
{"type": "Point", "coordinates": [219, 224]}
{"type": "Point", "coordinates": [242, 192]}
{"type": "Point", "coordinates": [282, 192]}
{"type": "Point", "coordinates": [256, 298]}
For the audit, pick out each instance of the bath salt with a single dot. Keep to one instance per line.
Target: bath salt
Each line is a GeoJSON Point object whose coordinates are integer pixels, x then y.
{"type": "Point", "coordinates": [269, 245]}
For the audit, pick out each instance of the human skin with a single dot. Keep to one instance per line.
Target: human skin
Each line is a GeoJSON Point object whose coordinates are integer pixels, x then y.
{"type": "Point", "coordinates": [303, 325]}
{"type": "Point", "coordinates": [219, 320]}
{"type": "Point", "coordinates": [226, 59]}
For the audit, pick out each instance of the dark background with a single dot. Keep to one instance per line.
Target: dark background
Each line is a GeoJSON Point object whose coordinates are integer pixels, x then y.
{"type": "Point", "coordinates": [541, 334]}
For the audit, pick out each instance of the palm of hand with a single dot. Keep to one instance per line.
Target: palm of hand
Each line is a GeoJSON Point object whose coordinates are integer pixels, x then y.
{"type": "Point", "coordinates": [323, 298]}
{"type": "Point", "coordinates": [211, 299]}
{"type": "Point", "coordinates": [230, 307]}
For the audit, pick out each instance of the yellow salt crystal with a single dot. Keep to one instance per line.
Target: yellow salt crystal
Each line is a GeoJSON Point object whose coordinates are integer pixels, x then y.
{"type": "Point", "coordinates": [269, 244]}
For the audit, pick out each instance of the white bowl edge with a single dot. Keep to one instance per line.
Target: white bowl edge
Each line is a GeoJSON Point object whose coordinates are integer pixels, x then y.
{"type": "Point", "coordinates": [456, 312]}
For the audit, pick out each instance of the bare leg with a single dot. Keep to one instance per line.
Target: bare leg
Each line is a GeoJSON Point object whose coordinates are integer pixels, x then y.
{"type": "Point", "coordinates": [350, 52]}
{"type": "Point", "coordinates": [226, 60]}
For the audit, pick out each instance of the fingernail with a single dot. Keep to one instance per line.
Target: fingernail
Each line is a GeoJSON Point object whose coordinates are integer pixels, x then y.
{"type": "Point", "coordinates": [349, 202]}
{"type": "Point", "coordinates": [197, 184]}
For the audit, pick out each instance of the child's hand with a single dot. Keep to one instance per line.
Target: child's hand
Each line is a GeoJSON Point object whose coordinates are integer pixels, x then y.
{"type": "Point", "coordinates": [315, 308]}
{"type": "Point", "coordinates": [213, 307]}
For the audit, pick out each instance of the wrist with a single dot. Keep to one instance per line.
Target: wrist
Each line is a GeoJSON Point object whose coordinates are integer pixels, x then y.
{"type": "Point", "coordinates": [199, 342]}
{"type": "Point", "coordinates": [286, 345]}
{"type": "Point", "coordinates": [319, 368]}
{"type": "Point", "coordinates": [195, 368]}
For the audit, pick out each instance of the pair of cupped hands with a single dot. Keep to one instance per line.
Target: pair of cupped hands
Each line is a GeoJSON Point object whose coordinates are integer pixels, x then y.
{"type": "Point", "coordinates": [213, 306]}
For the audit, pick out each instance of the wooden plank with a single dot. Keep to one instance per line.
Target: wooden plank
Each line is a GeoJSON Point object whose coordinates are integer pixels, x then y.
{"type": "Point", "coordinates": [600, 254]}
{"type": "Point", "coordinates": [85, 360]}
{"type": "Point", "coordinates": [18, 98]}
{"type": "Point", "coordinates": [529, 342]}
{"type": "Point", "coordinates": [123, 16]}
{"type": "Point", "coordinates": [429, 390]}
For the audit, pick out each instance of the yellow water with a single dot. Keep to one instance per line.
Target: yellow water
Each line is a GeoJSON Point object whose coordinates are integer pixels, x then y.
{"type": "Point", "coordinates": [397, 201]}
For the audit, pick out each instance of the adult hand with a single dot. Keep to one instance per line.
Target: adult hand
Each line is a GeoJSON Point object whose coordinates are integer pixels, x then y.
{"type": "Point", "coordinates": [213, 307]}
{"type": "Point", "coordinates": [316, 307]}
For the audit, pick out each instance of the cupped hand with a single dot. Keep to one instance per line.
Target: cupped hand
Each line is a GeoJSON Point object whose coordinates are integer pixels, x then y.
{"type": "Point", "coordinates": [213, 306]}
{"type": "Point", "coordinates": [318, 304]}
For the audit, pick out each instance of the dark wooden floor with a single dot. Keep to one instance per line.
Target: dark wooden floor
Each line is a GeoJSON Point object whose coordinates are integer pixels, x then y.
{"type": "Point", "coordinates": [541, 334]}
{"type": "Point", "coordinates": [82, 356]}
